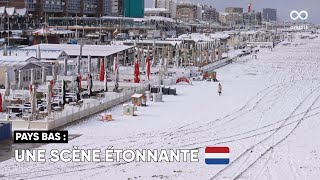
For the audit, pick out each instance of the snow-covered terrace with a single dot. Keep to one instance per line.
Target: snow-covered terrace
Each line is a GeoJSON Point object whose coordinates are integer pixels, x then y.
{"type": "Point", "coordinates": [87, 50]}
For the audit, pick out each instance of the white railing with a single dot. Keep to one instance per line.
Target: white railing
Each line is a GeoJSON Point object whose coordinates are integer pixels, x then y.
{"type": "Point", "coordinates": [73, 113]}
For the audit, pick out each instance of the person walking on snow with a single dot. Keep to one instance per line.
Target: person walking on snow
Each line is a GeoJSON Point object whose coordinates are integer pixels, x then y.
{"type": "Point", "coordinates": [219, 89]}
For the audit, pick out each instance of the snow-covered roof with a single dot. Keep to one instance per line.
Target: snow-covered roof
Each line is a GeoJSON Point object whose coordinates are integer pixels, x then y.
{"type": "Point", "coordinates": [150, 42]}
{"type": "Point", "coordinates": [51, 31]}
{"type": "Point", "coordinates": [45, 54]}
{"type": "Point", "coordinates": [40, 64]}
{"type": "Point", "coordinates": [15, 60]}
{"type": "Point", "coordinates": [87, 50]}
{"type": "Point", "coordinates": [203, 37]}
{"type": "Point", "coordinates": [61, 31]}
{"type": "Point", "coordinates": [137, 95]}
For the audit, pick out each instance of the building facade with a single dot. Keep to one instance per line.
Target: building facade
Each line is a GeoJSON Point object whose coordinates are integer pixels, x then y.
{"type": "Point", "coordinates": [269, 14]}
{"type": "Point", "coordinates": [170, 5]}
{"type": "Point", "coordinates": [134, 8]}
{"type": "Point", "coordinates": [252, 18]}
{"type": "Point", "coordinates": [231, 18]}
{"type": "Point", "coordinates": [41, 10]}
{"type": "Point", "coordinates": [199, 12]}
{"type": "Point", "coordinates": [234, 10]}
{"type": "Point", "coordinates": [162, 12]}
{"type": "Point", "coordinates": [209, 14]}
{"type": "Point", "coordinates": [186, 12]}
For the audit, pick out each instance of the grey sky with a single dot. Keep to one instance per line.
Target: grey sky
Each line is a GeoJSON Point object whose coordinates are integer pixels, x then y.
{"type": "Point", "coordinates": [284, 7]}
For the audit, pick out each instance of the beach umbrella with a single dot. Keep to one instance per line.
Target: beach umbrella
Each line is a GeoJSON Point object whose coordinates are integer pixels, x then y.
{"type": "Point", "coordinates": [78, 88]}
{"type": "Point", "coordinates": [101, 69]}
{"type": "Point", "coordinates": [44, 75]}
{"type": "Point", "coordinates": [32, 77]}
{"type": "Point", "coordinates": [116, 72]}
{"type": "Point", "coordinates": [33, 100]}
{"type": "Point", "coordinates": [89, 64]}
{"type": "Point", "coordinates": [19, 79]}
{"type": "Point", "coordinates": [148, 67]}
{"type": "Point", "coordinates": [49, 98]}
{"type": "Point", "coordinates": [54, 74]}
{"type": "Point", "coordinates": [51, 86]}
{"type": "Point", "coordinates": [63, 92]}
{"type": "Point", "coordinates": [78, 65]}
{"type": "Point", "coordinates": [89, 82]}
{"type": "Point", "coordinates": [136, 72]}
{"type": "Point", "coordinates": [38, 52]}
{"type": "Point", "coordinates": [115, 67]}
{"type": "Point", "coordinates": [105, 81]}
{"type": "Point", "coordinates": [7, 84]}
{"type": "Point", "coordinates": [0, 102]}
{"type": "Point", "coordinates": [65, 60]}
{"type": "Point", "coordinates": [80, 82]}
{"type": "Point", "coordinates": [5, 51]}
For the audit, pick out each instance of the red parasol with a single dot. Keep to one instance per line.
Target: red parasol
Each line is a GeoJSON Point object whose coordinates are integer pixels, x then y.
{"type": "Point", "coordinates": [136, 72]}
{"type": "Point", "coordinates": [148, 67]}
{"type": "Point", "coordinates": [101, 70]}
{"type": "Point", "coordinates": [51, 86]}
{"type": "Point", "coordinates": [80, 78]}
{"type": "Point", "coordinates": [0, 102]}
{"type": "Point", "coordinates": [30, 88]}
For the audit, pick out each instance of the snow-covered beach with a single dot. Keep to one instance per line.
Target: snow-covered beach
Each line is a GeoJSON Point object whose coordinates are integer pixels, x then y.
{"type": "Point", "coordinates": [268, 115]}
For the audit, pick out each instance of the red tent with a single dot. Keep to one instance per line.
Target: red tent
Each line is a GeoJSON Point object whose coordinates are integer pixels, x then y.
{"type": "Point", "coordinates": [136, 72]}
{"type": "Point", "coordinates": [0, 102]}
{"type": "Point", "coordinates": [101, 70]}
{"type": "Point", "coordinates": [148, 67]}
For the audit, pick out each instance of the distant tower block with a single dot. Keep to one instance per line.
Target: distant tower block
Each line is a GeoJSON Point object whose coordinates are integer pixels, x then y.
{"type": "Point", "coordinates": [249, 7]}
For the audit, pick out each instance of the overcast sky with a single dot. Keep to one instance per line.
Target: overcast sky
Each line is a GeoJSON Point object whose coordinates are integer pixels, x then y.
{"type": "Point", "coordinates": [284, 7]}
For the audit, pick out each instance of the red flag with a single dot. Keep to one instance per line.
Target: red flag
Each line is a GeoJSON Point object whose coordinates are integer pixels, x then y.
{"type": "Point", "coordinates": [102, 69]}
{"type": "Point", "coordinates": [136, 72]}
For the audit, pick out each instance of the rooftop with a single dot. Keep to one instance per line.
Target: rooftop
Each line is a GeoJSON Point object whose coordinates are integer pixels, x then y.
{"type": "Point", "coordinates": [45, 54]}
{"type": "Point", "coordinates": [87, 50]}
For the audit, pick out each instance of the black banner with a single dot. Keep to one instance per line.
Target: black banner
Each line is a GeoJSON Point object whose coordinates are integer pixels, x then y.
{"type": "Point", "coordinates": [40, 136]}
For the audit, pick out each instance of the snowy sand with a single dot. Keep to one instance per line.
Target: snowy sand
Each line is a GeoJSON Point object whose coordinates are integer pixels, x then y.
{"type": "Point", "coordinates": [268, 115]}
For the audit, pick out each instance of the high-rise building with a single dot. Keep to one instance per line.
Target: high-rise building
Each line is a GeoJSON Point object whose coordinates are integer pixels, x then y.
{"type": "Point", "coordinates": [134, 8]}
{"type": "Point", "coordinates": [186, 12]}
{"type": "Point", "coordinates": [270, 14]}
{"type": "Point", "coordinates": [199, 12]}
{"type": "Point", "coordinates": [252, 18]}
{"type": "Point", "coordinates": [234, 10]}
{"type": "Point", "coordinates": [170, 5]}
{"type": "Point", "coordinates": [209, 14]}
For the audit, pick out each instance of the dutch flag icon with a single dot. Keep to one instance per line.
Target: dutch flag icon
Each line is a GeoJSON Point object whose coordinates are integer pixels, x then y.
{"type": "Point", "coordinates": [217, 155]}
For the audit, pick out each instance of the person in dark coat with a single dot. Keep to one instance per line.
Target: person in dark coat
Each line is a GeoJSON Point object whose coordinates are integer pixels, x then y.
{"type": "Point", "coordinates": [219, 89]}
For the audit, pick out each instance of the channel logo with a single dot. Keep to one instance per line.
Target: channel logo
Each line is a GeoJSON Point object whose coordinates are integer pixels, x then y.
{"type": "Point", "coordinates": [295, 15]}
